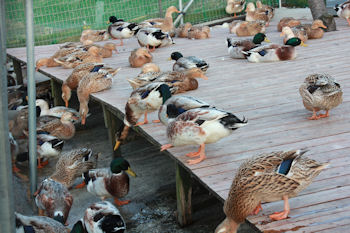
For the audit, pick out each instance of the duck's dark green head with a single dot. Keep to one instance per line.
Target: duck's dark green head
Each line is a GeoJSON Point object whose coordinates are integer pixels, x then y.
{"type": "Point", "coordinates": [260, 37]}
{"type": "Point", "coordinates": [113, 19]}
{"type": "Point", "coordinates": [59, 218]}
{"type": "Point", "coordinates": [78, 227]}
{"type": "Point", "coordinates": [120, 164]}
{"type": "Point", "coordinates": [295, 42]}
{"type": "Point", "coordinates": [164, 92]}
{"type": "Point", "coordinates": [176, 56]}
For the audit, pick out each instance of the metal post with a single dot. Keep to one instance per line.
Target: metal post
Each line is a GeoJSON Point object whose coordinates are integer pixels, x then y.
{"type": "Point", "coordinates": [180, 9]}
{"type": "Point", "coordinates": [7, 220]}
{"type": "Point", "coordinates": [184, 11]}
{"type": "Point", "coordinates": [280, 3]}
{"type": "Point", "coordinates": [31, 95]}
{"type": "Point", "coordinates": [160, 8]}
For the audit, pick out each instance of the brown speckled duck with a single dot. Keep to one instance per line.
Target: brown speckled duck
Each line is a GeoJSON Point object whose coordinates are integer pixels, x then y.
{"type": "Point", "coordinates": [320, 92]}
{"type": "Point", "coordinates": [314, 30]}
{"type": "Point", "coordinates": [51, 62]}
{"type": "Point", "coordinates": [198, 32]}
{"type": "Point", "coordinates": [244, 28]}
{"type": "Point", "coordinates": [266, 178]}
{"type": "Point", "coordinates": [78, 73]}
{"type": "Point", "coordinates": [150, 67]}
{"type": "Point", "coordinates": [90, 36]}
{"type": "Point", "coordinates": [38, 224]}
{"type": "Point", "coordinates": [182, 31]}
{"type": "Point", "coordinates": [199, 126]}
{"type": "Point", "coordinates": [93, 82]}
{"type": "Point", "coordinates": [110, 182]}
{"type": "Point", "coordinates": [74, 59]}
{"type": "Point", "coordinates": [73, 164]}
{"type": "Point", "coordinates": [254, 14]}
{"type": "Point", "coordinates": [287, 22]}
{"type": "Point", "coordinates": [62, 128]}
{"type": "Point", "coordinates": [235, 6]}
{"type": "Point", "coordinates": [53, 198]}
{"type": "Point", "coordinates": [139, 57]}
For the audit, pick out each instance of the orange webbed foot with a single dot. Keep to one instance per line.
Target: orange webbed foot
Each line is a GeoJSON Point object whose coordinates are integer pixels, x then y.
{"type": "Point", "coordinates": [42, 164]}
{"type": "Point", "coordinates": [279, 215]}
{"type": "Point", "coordinates": [257, 209]}
{"type": "Point", "coordinates": [120, 203]}
{"type": "Point", "coordinates": [15, 169]}
{"type": "Point", "coordinates": [193, 154]}
{"type": "Point", "coordinates": [80, 186]}
{"type": "Point", "coordinates": [165, 147]}
{"type": "Point", "coordinates": [324, 115]}
{"type": "Point", "coordinates": [156, 121]}
{"type": "Point", "coordinates": [142, 123]}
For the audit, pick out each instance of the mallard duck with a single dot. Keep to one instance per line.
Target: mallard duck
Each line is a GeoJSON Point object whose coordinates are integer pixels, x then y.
{"type": "Point", "coordinates": [254, 14]}
{"type": "Point", "coordinates": [153, 37]}
{"type": "Point", "coordinates": [120, 29]}
{"type": "Point", "coordinates": [16, 96]}
{"type": "Point", "coordinates": [234, 7]}
{"type": "Point", "coordinates": [90, 36]}
{"type": "Point", "coordinates": [235, 47]}
{"type": "Point", "coordinates": [182, 31]}
{"type": "Point", "coordinates": [107, 49]}
{"type": "Point", "coordinates": [72, 165]}
{"type": "Point", "coordinates": [93, 82]}
{"type": "Point", "coordinates": [320, 92]}
{"type": "Point", "coordinates": [110, 182]}
{"type": "Point", "coordinates": [51, 62]}
{"type": "Point", "coordinates": [181, 81]}
{"type": "Point", "coordinates": [143, 100]}
{"type": "Point", "coordinates": [198, 32]}
{"type": "Point", "coordinates": [139, 57]}
{"type": "Point", "coordinates": [314, 30]}
{"type": "Point", "coordinates": [184, 63]}
{"type": "Point", "coordinates": [53, 198]}
{"type": "Point", "coordinates": [100, 217]}
{"type": "Point", "coordinates": [38, 224]}
{"type": "Point", "coordinates": [74, 59]}
{"type": "Point", "coordinates": [289, 33]}
{"type": "Point", "coordinates": [343, 10]}
{"type": "Point", "coordinates": [55, 111]}
{"type": "Point", "coordinates": [150, 67]}
{"type": "Point", "coordinates": [20, 122]}
{"type": "Point", "coordinates": [266, 178]}
{"type": "Point", "coordinates": [263, 8]}
{"type": "Point", "coordinates": [287, 22]}
{"type": "Point", "coordinates": [182, 104]}
{"type": "Point", "coordinates": [62, 128]}
{"type": "Point", "coordinates": [244, 28]}
{"type": "Point", "coordinates": [199, 126]}
{"type": "Point", "coordinates": [166, 23]}
{"type": "Point", "coordinates": [274, 52]}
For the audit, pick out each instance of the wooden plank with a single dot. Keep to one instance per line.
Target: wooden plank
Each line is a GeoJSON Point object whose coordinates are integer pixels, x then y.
{"type": "Point", "coordinates": [183, 195]}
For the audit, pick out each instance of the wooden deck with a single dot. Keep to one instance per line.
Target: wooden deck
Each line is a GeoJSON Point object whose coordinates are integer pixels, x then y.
{"type": "Point", "coordinates": [267, 94]}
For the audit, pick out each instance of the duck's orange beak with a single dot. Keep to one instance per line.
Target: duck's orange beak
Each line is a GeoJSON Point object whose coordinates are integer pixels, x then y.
{"type": "Point", "coordinates": [204, 77]}
{"type": "Point", "coordinates": [66, 103]}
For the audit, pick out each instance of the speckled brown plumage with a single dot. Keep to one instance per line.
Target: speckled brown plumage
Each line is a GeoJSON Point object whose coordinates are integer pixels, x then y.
{"type": "Point", "coordinates": [244, 28]}
{"type": "Point", "coordinates": [62, 128]}
{"type": "Point", "coordinates": [74, 59]}
{"type": "Point", "coordinates": [287, 22]}
{"type": "Point", "coordinates": [198, 32]}
{"type": "Point", "coordinates": [139, 57]}
{"type": "Point", "coordinates": [73, 164]}
{"type": "Point", "coordinates": [314, 30]}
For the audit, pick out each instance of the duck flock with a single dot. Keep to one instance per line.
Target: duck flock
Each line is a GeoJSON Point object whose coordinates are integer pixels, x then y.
{"type": "Point", "coordinates": [267, 177]}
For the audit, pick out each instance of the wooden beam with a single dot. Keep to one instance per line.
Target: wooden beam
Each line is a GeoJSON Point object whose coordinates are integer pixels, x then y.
{"type": "Point", "coordinates": [18, 71]}
{"type": "Point", "coordinates": [56, 93]}
{"type": "Point", "coordinates": [183, 195]}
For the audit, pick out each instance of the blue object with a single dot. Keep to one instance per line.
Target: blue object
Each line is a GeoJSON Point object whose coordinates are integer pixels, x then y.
{"type": "Point", "coordinates": [262, 53]}
{"type": "Point", "coordinates": [285, 166]}
{"type": "Point", "coordinates": [96, 68]}
{"type": "Point", "coordinates": [145, 94]}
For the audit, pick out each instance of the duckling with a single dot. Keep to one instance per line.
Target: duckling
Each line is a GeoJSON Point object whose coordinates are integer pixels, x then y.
{"type": "Point", "coordinates": [100, 217]}
{"type": "Point", "coordinates": [166, 24]}
{"type": "Point", "coordinates": [289, 33]}
{"type": "Point", "coordinates": [198, 33]}
{"type": "Point", "coordinates": [62, 128]}
{"type": "Point", "coordinates": [254, 14]}
{"type": "Point", "coordinates": [51, 62]}
{"type": "Point", "coordinates": [53, 198]}
{"type": "Point", "coordinates": [73, 164]}
{"type": "Point", "coordinates": [153, 37]}
{"type": "Point", "coordinates": [235, 6]}
{"type": "Point", "coordinates": [77, 58]}
{"type": "Point", "coordinates": [274, 52]}
{"type": "Point", "coordinates": [184, 63]}
{"type": "Point", "coordinates": [244, 28]}
{"type": "Point", "coordinates": [150, 67]}
{"type": "Point", "coordinates": [181, 81]}
{"type": "Point", "coordinates": [199, 126]}
{"type": "Point", "coordinates": [110, 182]}
{"type": "Point", "coordinates": [314, 30]}
{"type": "Point", "coordinates": [143, 100]}
{"type": "Point", "coordinates": [235, 47]}
{"type": "Point", "coordinates": [320, 92]}
{"type": "Point", "coordinates": [266, 178]}
{"type": "Point", "coordinates": [182, 103]}
{"type": "Point", "coordinates": [78, 73]}
{"type": "Point", "coordinates": [343, 10]}
{"type": "Point", "coordinates": [55, 111]}
{"type": "Point", "coordinates": [287, 22]}
{"type": "Point", "coordinates": [121, 30]}
{"type": "Point", "coordinates": [182, 31]}
{"type": "Point", "coordinates": [93, 82]}
{"type": "Point", "coordinates": [38, 224]}
{"type": "Point", "coordinates": [263, 8]}
{"type": "Point", "coordinates": [139, 57]}
{"type": "Point", "coordinates": [90, 36]}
